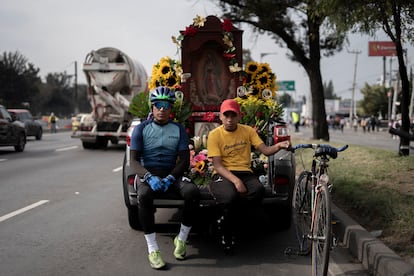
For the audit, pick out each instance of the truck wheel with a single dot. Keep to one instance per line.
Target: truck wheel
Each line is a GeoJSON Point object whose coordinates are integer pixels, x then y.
{"type": "Point", "coordinates": [88, 145]}
{"type": "Point", "coordinates": [133, 218]}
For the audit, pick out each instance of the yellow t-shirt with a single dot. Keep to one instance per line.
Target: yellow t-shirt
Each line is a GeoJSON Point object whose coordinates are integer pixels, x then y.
{"type": "Point", "coordinates": [234, 147]}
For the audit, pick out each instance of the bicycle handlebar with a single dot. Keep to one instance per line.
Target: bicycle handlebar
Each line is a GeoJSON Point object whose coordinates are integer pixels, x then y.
{"type": "Point", "coordinates": [321, 149]}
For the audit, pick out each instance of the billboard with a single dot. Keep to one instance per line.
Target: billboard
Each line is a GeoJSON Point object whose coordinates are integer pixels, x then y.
{"type": "Point", "coordinates": [381, 48]}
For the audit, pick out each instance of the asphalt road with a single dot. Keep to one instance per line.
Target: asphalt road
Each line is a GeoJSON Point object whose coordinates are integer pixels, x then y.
{"type": "Point", "coordinates": [62, 213]}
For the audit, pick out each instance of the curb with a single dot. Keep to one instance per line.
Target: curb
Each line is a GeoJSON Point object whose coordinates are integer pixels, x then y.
{"type": "Point", "coordinates": [375, 256]}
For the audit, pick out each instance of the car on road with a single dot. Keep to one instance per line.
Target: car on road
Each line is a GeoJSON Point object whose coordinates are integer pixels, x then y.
{"type": "Point", "coordinates": [12, 131]}
{"type": "Point", "coordinates": [279, 183]}
{"type": "Point", "coordinates": [33, 127]}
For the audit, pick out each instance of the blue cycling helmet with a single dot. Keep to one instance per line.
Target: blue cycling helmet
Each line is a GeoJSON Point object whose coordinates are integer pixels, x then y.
{"type": "Point", "coordinates": [162, 93]}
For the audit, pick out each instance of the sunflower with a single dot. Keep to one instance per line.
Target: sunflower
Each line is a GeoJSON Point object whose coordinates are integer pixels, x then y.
{"type": "Point", "coordinates": [167, 72]}
{"type": "Point", "coordinates": [252, 67]}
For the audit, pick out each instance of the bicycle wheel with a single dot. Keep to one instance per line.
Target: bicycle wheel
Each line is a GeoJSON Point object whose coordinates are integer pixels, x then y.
{"type": "Point", "coordinates": [301, 210]}
{"type": "Point", "coordinates": [321, 234]}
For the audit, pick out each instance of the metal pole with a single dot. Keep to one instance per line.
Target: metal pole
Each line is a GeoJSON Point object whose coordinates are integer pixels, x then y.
{"type": "Point", "coordinates": [384, 71]}
{"type": "Point", "coordinates": [390, 93]}
{"type": "Point", "coordinates": [394, 98]}
{"type": "Point", "coordinates": [76, 88]}
{"type": "Point", "coordinates": [410, 109]}
{"type": "Point", "coordinates": [352, 109]}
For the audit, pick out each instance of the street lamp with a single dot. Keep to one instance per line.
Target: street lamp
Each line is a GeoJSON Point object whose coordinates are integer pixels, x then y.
{"type": "Point", "coordinates": [266, 54]}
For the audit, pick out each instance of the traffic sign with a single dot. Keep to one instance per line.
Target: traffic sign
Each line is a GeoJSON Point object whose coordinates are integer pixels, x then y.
{"type": "Point", "coordinates": [286, 85]}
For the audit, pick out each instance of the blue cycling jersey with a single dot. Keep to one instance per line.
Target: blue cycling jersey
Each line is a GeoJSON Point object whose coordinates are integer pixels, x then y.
{"type": "Point", "coordinates": [159, 144]}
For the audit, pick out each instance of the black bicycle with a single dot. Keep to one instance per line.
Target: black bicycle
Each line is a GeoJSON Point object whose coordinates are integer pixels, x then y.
{"type": "Point", "coordinates": [311, 207]}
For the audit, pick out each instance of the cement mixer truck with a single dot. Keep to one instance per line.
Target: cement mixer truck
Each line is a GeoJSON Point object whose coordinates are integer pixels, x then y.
{"type": "Point", "coordinates": [113, 79]}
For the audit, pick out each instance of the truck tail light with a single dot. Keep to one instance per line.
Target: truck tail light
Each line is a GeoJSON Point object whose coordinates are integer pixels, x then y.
{"type": "Point", "coordinates": [281, 181]}
{"type": "Point", "coordinates": [281, 133]}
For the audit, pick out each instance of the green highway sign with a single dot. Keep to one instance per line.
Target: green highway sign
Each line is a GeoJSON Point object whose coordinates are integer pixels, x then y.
{"type": "Point", "coordinates": [286, 85]}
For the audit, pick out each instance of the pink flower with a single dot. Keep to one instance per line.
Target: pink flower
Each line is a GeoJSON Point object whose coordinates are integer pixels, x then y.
{"type": "Point", "coordinates": [199, 157]}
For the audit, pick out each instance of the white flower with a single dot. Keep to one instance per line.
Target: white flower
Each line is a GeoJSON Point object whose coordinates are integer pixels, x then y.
{"type": "Point", "coordinates": [235, 68]}
{"type": "Point", "coordinates": [197, 142]}
{"type": "Point", "coordinates": [267, 94]}
{"type": "Point", "coordinates": [199, 21]}
{"type": "Point", "coordinates": [179, 96]}
{"type": "Point", "coordinates": [241, 91]}
{"type": "Point", "coordinates": [204, 141]}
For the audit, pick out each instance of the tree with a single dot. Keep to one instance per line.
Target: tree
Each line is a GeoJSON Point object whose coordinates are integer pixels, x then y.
{"type": "Point", "coordinates": [301, 26]}
{"type": "Point", "coordinates": [59, 95]}
{"type": "Point", "coordinates": [374, 101]}
{"type": "Point", "coordinates": [328, 91]}
{"type": "Point", "coordinates": [284, 99]}
{"type": "Point", "coordinates": [19, 80]}
{"type": "Point", "coordinates": [395, 18]}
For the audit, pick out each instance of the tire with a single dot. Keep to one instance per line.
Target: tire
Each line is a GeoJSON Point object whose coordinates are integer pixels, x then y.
{"type": "Point", "coordinates": [21, 143]}
{"type": "Point", "coordinates": [302, 212]}
{"type": "Point", "coordinates": [322, 234]}
{"type": "Point", "coordinates": [125, 184]}
{"type": "Point", "coordinates": [133, 218]}
{"type": "Point", "coordinates": [88, 145]}
{"type": "Point", "coordinates": [39, 134]}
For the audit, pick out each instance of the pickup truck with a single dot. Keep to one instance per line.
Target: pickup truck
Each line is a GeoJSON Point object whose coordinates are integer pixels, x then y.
{"type": "Point", "coordinates": [279, 184]}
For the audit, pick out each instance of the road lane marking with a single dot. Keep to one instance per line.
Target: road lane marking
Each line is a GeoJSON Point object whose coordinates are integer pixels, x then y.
{"type": "Point", "coordinates": [117, 169]}
{"type": "Point", "coordinates": [1, 160]}
{"type": "Point", "coordinates": [67, 148]}
{"type": "Point", "coordinates": [22, 210]}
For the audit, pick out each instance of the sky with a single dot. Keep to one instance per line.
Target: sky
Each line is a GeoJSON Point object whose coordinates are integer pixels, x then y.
{"type": "Point", "coordinates": [54, 34]}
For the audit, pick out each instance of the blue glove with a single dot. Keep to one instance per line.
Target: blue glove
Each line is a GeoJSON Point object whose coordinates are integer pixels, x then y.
{"type": "Point", "coordinates": [154, 181]}
{"type": "Point", "coordinates": [167, 181]}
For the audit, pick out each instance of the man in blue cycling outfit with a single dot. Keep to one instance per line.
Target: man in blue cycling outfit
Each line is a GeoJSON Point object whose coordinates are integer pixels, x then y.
{"type": "Point", "coordinates": [160, 155]}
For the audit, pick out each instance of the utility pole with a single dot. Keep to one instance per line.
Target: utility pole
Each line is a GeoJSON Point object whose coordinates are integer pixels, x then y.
{"type": "Point", "coordinates": [76, 88]}
{"type": "Point", "coordinates": [411, 107]}
{"type": "Point", "coordinates": [352, 109]}
{"type": "Point", "coordinates": [389, 94]}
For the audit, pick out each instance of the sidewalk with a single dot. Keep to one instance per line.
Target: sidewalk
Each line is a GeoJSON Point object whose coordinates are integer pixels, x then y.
{"type": "Point", "coordinates": [375, 256]}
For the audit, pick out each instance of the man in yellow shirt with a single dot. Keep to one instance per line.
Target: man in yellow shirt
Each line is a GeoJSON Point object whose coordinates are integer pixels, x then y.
{"type": "Point", "coordinates": [229, 145]}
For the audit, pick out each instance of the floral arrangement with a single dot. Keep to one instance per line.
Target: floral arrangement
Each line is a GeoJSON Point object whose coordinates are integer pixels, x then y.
{"type": "Point", "coordinates": [258, 77]}
{"type": "Point", "coordinates": [167, 72]}
{"type": "Point", "coordinates": [201, 167]}
{"type": "Point", "coordinates": [256, 96]}
{"type": "Point", "coordinates": [227, 26]}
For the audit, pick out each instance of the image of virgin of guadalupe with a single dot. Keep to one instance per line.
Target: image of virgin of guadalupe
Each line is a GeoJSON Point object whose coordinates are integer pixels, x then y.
{"type": "Point", "coordinates": [213, 78]}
